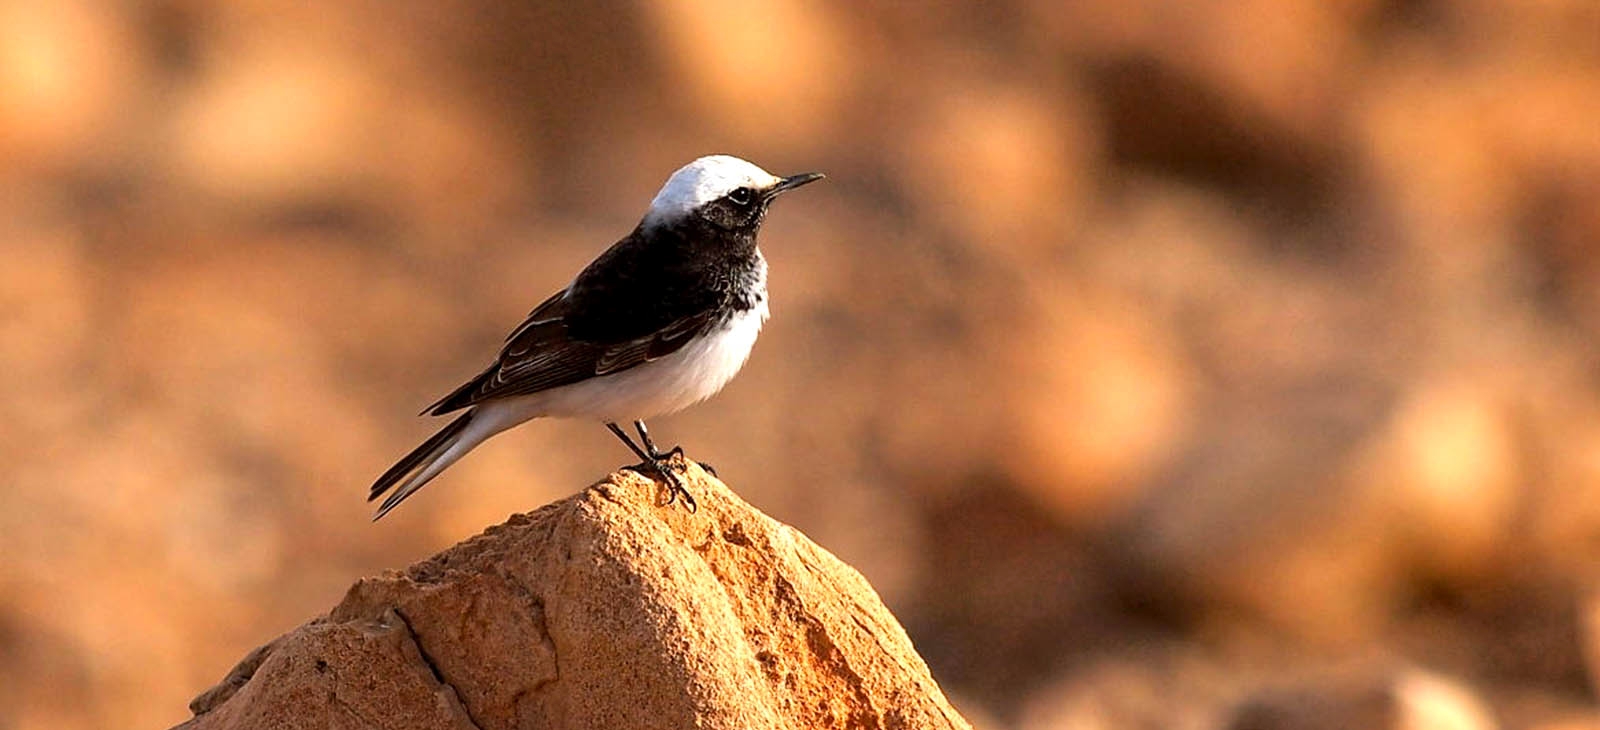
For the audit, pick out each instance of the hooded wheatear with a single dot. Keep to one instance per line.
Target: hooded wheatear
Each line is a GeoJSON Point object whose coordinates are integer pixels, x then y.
{"type": "Point", "coordinates": [660, 321]}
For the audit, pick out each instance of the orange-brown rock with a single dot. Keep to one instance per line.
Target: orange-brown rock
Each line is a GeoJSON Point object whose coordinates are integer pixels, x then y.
{"type": "Point", "coordinates": [603, 610]}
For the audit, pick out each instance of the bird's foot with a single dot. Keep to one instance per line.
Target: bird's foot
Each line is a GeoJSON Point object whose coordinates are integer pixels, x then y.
{"type": "Point", "coordinates": [677, 451]}
{"type": "Point", "coordinates": [672, 470]}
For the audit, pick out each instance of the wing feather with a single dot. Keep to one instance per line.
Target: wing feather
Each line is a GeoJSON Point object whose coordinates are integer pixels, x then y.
{"type": "Point", "coordinates": [541, 354]}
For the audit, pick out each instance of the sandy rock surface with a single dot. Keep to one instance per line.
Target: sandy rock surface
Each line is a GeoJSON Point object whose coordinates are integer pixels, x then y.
{"type": "Point", "coordinates": [602, 610]}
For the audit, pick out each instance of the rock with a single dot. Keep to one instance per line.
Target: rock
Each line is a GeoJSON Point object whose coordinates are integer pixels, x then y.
{"type": "Point", "coordinates": [602, 610]}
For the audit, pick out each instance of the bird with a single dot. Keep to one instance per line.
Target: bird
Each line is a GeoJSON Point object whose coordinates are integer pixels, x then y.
{"type": "Point", "coordinates": [661, 320]}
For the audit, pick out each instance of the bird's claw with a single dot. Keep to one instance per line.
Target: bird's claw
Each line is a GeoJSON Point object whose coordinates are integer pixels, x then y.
{"type": "Point", "coordinates": [677, 452]}
{"type": "Point", "coordinates": [675, 488]}
{"type": "Point", "coordinates": [670, 468]}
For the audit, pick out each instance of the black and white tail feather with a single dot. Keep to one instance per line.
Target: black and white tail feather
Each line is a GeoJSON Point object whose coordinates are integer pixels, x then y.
{"type": "Point", "coordinates": [423, 463]}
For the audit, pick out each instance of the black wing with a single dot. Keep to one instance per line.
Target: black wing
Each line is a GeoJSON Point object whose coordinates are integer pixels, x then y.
{"type": "Point", "coordinates": [542, 353]}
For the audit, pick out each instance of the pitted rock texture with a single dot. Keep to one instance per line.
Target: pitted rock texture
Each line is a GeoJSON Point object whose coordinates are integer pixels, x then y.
{"type": "Point", "coordinates": [603, 610]}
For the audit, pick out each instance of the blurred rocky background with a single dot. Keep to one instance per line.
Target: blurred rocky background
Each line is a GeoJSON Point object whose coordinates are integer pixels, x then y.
{"type": "Point", "coordinates": [1163, 363]}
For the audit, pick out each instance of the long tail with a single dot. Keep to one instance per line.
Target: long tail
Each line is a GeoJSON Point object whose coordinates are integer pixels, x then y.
{"type": "Point", "coordinates": [426, 461]}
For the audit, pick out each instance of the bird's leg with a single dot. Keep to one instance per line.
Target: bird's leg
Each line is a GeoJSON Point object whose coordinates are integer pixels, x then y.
{"type": "Point", "coordinates": [650, 446]}
{"type": "Point", "coordinates": [645, 458]}
{"type": "Point", "coordinates": [657, 462]}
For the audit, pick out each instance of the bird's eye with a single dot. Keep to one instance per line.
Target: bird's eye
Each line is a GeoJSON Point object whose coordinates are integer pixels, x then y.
{"type": "Point", "coordinates": [741, 196]}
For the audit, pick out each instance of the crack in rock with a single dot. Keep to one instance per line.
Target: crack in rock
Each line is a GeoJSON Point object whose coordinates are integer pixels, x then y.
{"type": "Point", "coordinates": [433, 668]}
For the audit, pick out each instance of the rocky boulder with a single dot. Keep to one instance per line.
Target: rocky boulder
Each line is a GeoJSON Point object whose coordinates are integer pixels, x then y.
{"type": "Point", "coordinates": [602, 610]}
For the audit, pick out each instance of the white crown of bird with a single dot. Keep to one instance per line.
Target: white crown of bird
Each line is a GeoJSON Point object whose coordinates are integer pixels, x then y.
{"type": "Point", "coordinates": [705, 180]}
